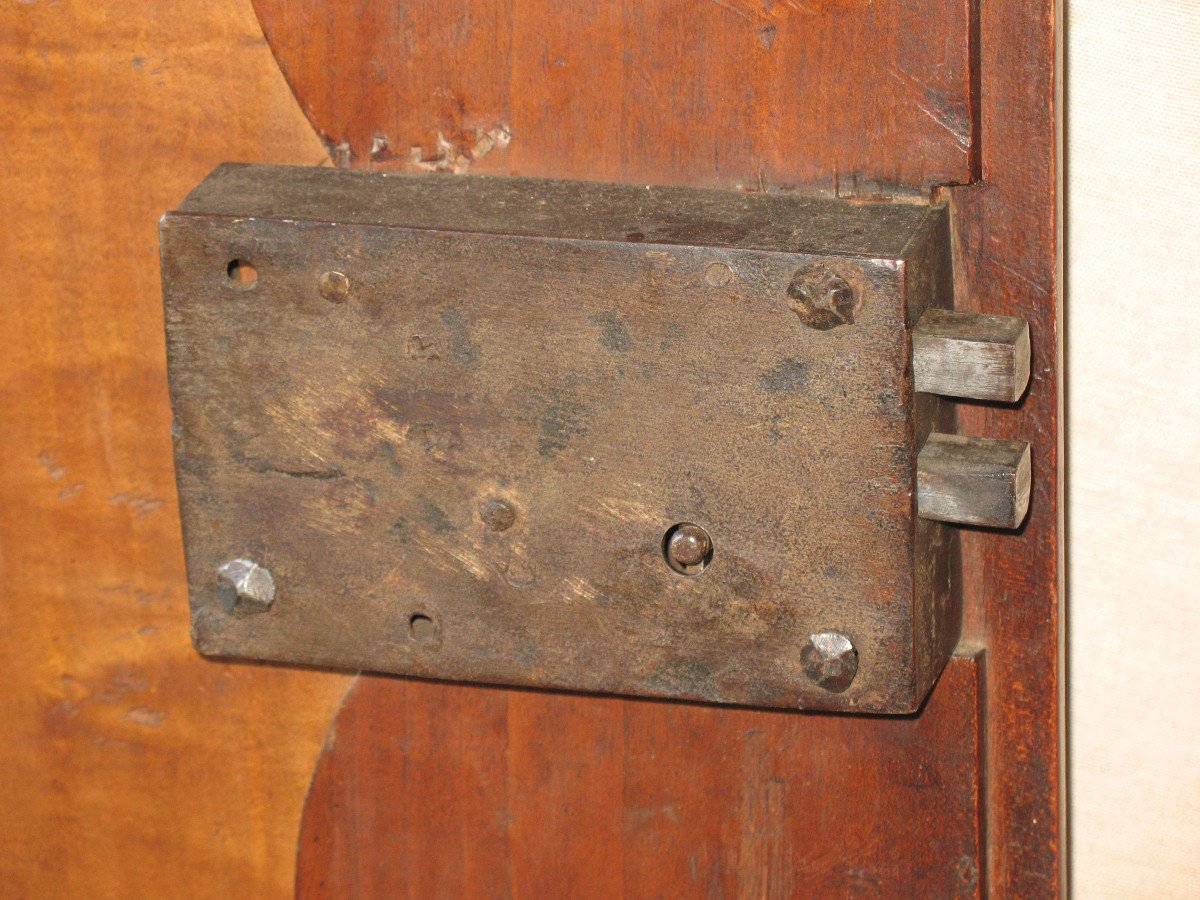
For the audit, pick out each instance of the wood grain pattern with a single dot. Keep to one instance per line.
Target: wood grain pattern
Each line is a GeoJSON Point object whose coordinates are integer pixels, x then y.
{"type": "Point", "coordinates": [129, 765]}
{"type": "Point", "coordinates": [852, 97]}
{"type": "Point", "coordinates": [124, 762]}
{"type": "Point", "coordinates": [434, 790]}
{"type": "Point", "coordinates": [1008, 262]}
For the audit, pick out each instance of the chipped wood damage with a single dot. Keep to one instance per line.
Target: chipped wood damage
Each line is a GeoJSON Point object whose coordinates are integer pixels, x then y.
{"type": "Point", "coordinates": [730, 93]}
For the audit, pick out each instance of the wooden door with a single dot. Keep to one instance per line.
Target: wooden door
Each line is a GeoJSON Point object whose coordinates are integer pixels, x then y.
{"type": "Point", "coordinates": [131, 766]}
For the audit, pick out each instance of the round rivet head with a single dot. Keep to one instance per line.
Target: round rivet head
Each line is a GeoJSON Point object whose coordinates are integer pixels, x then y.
{"type": "Point", "coordinates": [688, 548]}
{"type": "Point", "coordinates": [830, 660]}
{"type": "Point", "coordinates": [497, 515]}
{"type": "Point", "coordinates": [334, 286]}
{"type": "Point", "coordinates": [718, 274]}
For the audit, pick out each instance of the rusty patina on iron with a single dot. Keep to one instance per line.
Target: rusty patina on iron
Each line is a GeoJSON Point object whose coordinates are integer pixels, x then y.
{"type": "Point", "coordinates": [465, 467]}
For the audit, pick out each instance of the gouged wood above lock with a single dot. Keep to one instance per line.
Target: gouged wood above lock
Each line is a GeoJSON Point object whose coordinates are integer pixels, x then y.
{"type": "Point", "coordinates": [731, 94]}
{"type": "Point", "coordinates": [962, 354]}
{"type": "Point", "coordinates": [973, 481]}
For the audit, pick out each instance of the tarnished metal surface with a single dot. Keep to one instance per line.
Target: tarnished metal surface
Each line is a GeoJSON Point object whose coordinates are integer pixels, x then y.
{"type": "Point", "coordinates": [830, 660]}
{"type": "Point", "coordinates": [458, 418]}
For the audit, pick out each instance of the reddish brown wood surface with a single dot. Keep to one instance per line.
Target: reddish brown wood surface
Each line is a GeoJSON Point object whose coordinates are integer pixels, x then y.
{"type": "Point", "coordinates": [133, 768]}
{"type": "Point", "coordinates": [1007, 259]}
{"type": "Point", "coordinates": [849, 95]}
{"type": "Point", "coordinates": [434, 790]}
{"type": "Point", "coordinates": [1008, 262]}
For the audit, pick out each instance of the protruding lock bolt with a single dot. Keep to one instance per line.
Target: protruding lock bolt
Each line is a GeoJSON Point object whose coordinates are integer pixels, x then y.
{"type": "Point", "coordinates": [246, 587]}
{"type": "Point", "coordinates": [830, 660]}
{"type": "Point", "coordinates": [687, 548]}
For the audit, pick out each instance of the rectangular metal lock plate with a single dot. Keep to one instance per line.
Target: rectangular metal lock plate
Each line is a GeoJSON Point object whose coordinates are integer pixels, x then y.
{"type": "Point", "coordinates": [657, 441]}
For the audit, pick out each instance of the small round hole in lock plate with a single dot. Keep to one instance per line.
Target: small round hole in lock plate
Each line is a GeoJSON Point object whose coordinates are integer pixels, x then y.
{"type": "Point", "coordinates": [687, 548]}
{"type": "Point", "coordinates": [422, 628]}
{"type": "Point", "coordinates": [242, 274]}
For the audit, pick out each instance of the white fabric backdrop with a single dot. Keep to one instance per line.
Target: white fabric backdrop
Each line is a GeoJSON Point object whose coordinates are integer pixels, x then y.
{"type": "Point", "coordinates": [1133, 446]}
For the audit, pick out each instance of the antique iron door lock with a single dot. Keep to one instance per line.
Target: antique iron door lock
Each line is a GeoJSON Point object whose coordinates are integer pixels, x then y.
{"type": "Point", "coordinates": [658, 441]}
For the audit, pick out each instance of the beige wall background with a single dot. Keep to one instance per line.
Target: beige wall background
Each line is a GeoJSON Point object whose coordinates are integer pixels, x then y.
{"type": "Point", "coordinates": [1133, 446]}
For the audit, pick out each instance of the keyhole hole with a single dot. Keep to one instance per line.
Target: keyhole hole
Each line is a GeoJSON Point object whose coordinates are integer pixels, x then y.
{"type": "Point", "coordinates": [242, 274]}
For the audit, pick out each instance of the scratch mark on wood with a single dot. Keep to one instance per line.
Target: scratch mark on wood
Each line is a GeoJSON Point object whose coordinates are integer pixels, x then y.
{"type": "Point", "coordinates": [141, 504]}
{"type": "Point", "coordinates": [146, 717]}
{"type": "Point", "coordinates": [732, 9]}
{"type": "Point", "coordinates": [50, 463]}
{"type": "Point", "coordinates": [930, 102]}
{"type": "Point", "coordinates": [1043, 291]}
{"type": "Point", "coordinates": [798, 6]}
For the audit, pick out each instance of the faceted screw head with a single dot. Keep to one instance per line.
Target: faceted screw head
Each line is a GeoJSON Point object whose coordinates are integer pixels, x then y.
{"type": "Point", "coordinates": [245, 586]}
{"type": "Point", "coordinates": [830, 660]}
{"type": "Point", "coordinates": [688, 548]}
{"type": "Point", "coordinates": [821, 298]}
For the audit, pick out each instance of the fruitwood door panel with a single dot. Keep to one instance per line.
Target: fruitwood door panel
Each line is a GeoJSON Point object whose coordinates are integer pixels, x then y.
{"type": "Point", "coordinates": [129, 765]}
{"type": "Point", "coordinates": [450, 791]}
